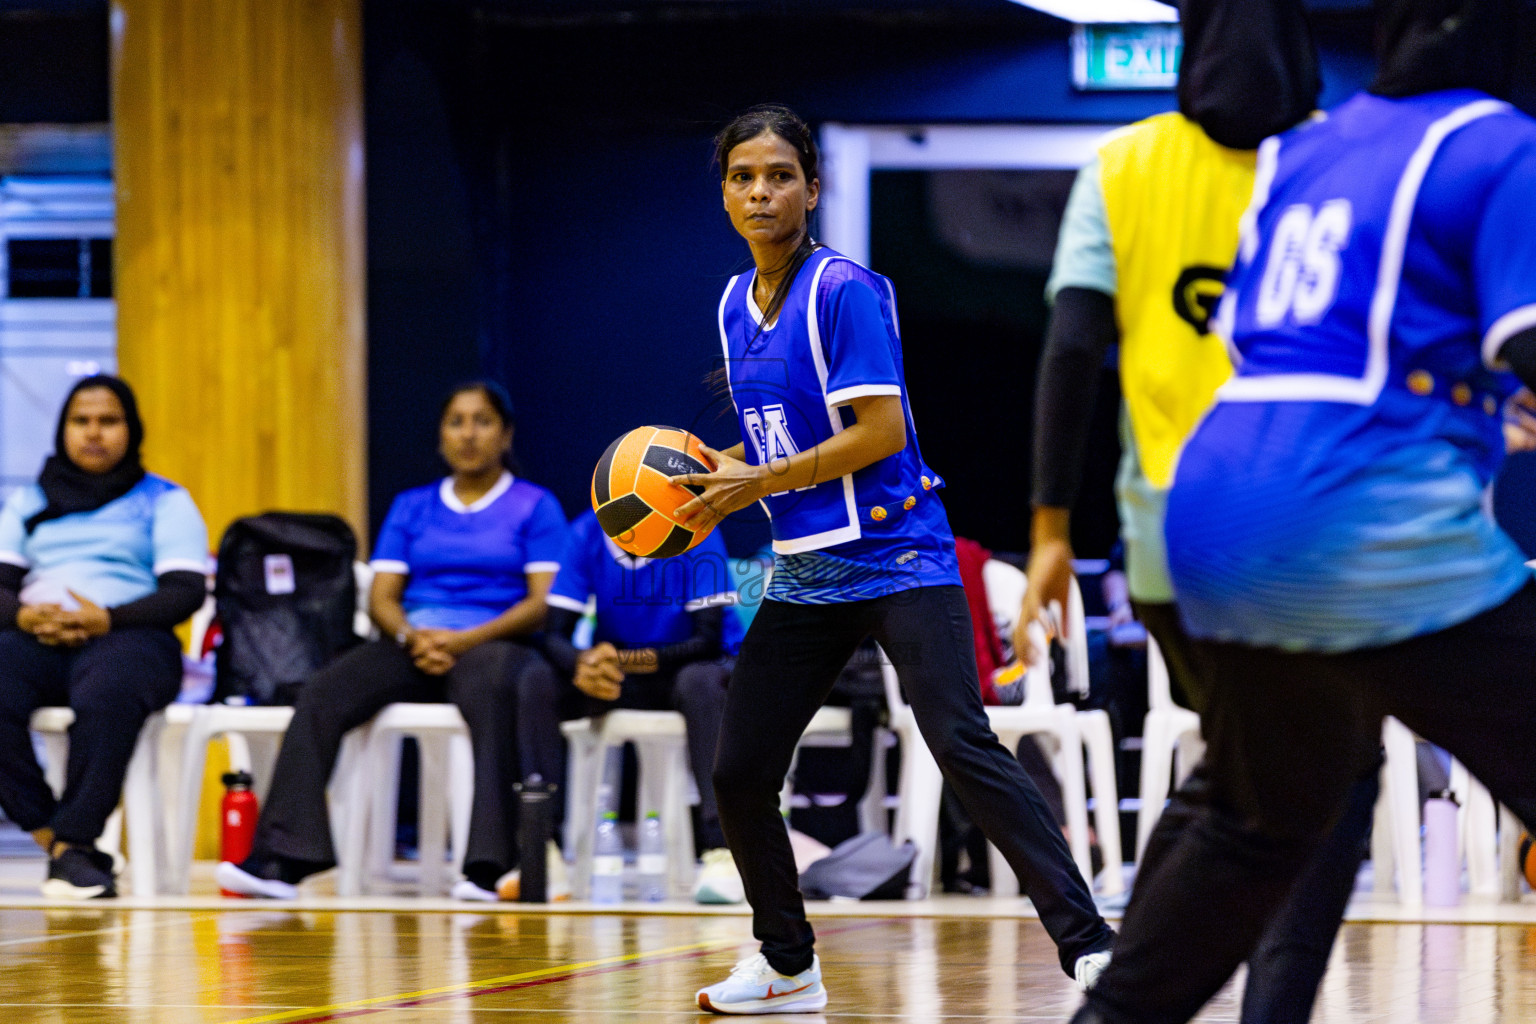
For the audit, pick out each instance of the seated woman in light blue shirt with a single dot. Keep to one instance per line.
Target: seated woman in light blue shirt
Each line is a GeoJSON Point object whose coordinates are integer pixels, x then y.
{"type": "Point", "coordinates": [98, 561]}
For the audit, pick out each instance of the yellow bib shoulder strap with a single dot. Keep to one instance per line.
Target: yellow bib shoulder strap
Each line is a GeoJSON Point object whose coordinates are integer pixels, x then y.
{"type": "Point", "coordinates": [1173, 199]}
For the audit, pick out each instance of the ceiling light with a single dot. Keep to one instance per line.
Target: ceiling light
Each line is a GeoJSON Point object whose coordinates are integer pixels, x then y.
{"type": "Point", "coordinates": [1113, 12]}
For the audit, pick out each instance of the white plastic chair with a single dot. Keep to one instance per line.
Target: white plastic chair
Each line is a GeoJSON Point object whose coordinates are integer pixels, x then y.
{"type": "Point", "coordinates": [1396, 840]}
{"type": "Point", "coordinates": [254, 733]}
{"type": "Point", "coordinates": [1169, 733]}
{"type": "Point", "coordinates": [1005, 592]}
{"type": "Point", "coordinates": [664, 785]}
{"type": "Point", "coordinates": [833, 727]}
{"type": "Point", "coordinates": [368, 783]}
{"type": "Point", "coordinates": [1039, 716]}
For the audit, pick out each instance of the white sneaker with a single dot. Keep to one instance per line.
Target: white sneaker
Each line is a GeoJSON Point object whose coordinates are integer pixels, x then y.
{"type": "Point", "coordinates": [468, 891]}
{"type": "Point", "coordinates": [231, 878]}
{"type": "Point", "coordinates": [754, 987]}
{"type": "Point", "coordinates": [1089, 967]}
{"type": "Point", "coordinates": [719, 881]}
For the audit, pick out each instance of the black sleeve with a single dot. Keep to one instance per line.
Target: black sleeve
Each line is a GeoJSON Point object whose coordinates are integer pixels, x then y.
{"type": "Point", "coordinates": [708, 625]}
{"type": "Point", "coordinates": [1520, 353]}
{"type": "Point", "coordinates": [10, 594]}
{"type": "Point", "coordinates": [181, 592]}
{"type": "Point", "coordinates": [559, 624]}
{"type": "Point", "coordinates": [1081, 330]}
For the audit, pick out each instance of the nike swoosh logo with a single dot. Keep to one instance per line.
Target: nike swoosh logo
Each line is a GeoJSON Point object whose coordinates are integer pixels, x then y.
{"type": "Point", "coordinates": [787, 992]}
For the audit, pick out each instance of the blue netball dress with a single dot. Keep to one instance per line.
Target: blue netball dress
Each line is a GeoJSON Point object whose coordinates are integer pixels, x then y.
{"type": "Point", "coordinates": [873, 532]}
{"type": "Point", "coordinates": [1331, 500]}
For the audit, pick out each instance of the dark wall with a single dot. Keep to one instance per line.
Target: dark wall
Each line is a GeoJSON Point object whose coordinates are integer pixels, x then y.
{"type": "Point", "coordinates": [53, 62]}
{"type": "Point", "coordinates": [542, 206]}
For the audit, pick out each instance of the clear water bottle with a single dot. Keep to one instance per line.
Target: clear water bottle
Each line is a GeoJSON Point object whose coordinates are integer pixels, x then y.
{"type": "Point", "coordinates": [608, 861]}
{"type": "Point", "coordinates": [1442, 865]}
{"type": "Point", "coordinates": [653, 859]}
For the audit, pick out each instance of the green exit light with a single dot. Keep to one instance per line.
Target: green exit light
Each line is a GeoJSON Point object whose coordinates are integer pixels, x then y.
{"type": "Point", "coordinates": [1126, 56]}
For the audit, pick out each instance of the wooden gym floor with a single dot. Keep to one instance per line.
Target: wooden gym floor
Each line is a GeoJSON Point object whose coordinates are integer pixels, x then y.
{"type": "Point", "coordinates": [396, 959]}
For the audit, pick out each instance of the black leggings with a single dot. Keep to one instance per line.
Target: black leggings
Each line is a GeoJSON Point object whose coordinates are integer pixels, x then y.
{"type": "Point", "coordinates": [1288, 964]}
{"type": "Point", "coordinates": [354, 688]}
{"type": "Point", "coordinates": [1288, 736]}
{"type": "Point", "coordinates": [789, 661]}
{"type": "Point", "coordinates": [113, 682]}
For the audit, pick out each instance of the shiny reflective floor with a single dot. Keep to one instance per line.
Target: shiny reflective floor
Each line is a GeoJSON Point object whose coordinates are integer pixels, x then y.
{"type": "Point", "coordinates": [257, 963]}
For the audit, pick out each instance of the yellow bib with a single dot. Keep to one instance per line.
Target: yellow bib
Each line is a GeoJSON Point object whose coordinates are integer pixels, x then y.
{"type": "Point", "coordinates": [1173, 244]}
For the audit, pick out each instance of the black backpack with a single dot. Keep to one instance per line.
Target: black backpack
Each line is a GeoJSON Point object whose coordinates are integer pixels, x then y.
{"type": "Point", "coordinates": [286, 598]}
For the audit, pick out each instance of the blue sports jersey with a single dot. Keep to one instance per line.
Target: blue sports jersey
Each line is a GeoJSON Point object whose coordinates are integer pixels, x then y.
{"type": "Point", "coordinates": [469, 563]}
{"type": "Point", "coordinates": [644, 602]}
{"type": "Point", "coordinates": [1332, 498]}
{"type": "Point", "coordinates": [112, 554]}
{"type": "Point", "coordinates": [836, 339]}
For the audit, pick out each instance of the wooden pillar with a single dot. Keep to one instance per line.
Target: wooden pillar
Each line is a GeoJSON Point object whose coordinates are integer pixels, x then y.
{"type": "Point", "coordinates": [238, 157]}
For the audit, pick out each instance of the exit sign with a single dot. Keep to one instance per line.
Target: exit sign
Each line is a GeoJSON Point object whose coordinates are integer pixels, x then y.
{"type": "Point", "coordinates": [1126, 56]}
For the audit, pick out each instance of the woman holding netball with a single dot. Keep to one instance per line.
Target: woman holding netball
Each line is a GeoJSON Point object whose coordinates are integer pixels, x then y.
{"type": "Point", "coordinates": [862, 547]}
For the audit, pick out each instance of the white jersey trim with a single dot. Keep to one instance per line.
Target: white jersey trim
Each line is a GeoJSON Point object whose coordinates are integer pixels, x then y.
{"type": "Point", "coordinates": [445, 492]}
{"type": "Point", "coordinates": [817, 541]}
{"type": "Point", "coordinates": [390, 565]}
{"type": "Point", "coordinates": [724, 599]}
{"type": "Point", "coordinates": [198, 565]}
{"type": "Point", "coordinates": [529, 567]}
{"type": "Point", "coordinates": [15, 558]}
{"type": "Point", "coordinates": [843, 396]}
{"type": "Point", "coordinates": [1504, 328]}
{"type": "Point", "coordinates": [569, 604]}
{"type": "Point", "coordinates": [725, 342]}
{"type": "Point", "coordinates": [1299, 387]}
{"type": "Point", "coordinates": [623, 557]}
{"type": "Point", "coordinates": [813, 332]}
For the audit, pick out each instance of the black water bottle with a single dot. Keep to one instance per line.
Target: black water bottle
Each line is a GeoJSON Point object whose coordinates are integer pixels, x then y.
{"type": "Point", "coordinates": [535, 827]}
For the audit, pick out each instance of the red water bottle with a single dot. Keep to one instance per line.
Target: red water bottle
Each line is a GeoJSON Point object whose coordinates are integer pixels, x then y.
{"type": "Point", "coordinates": [238, 816]}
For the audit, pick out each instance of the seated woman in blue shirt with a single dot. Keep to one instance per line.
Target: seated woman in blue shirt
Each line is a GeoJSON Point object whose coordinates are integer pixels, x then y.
{"type": "Point", "coordinates": [98, 561]}
{"type": "Point", "coordinates": [461, 571]}
{"type": "Point", "coordinates": [661, 629]}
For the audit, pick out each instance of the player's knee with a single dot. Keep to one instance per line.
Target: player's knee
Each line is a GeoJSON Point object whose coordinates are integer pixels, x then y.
{"type": "Point", "coordinates": [737, 778]}
{"type": "Point", "coordinates": [699, 685]}
{"type": "Point", "coordinates": [536, 683]}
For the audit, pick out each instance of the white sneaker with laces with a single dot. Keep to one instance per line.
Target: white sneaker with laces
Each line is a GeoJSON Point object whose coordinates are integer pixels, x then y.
{"type": "Point", "coordinates": [754, 987]}
{"type": "Point", "coordinates": [719, 881]}
{"type": "Point", "coordinates": [1089, 967]}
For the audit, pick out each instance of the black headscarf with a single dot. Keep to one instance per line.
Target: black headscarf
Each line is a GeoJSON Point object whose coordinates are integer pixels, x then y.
{"type": "Point", "coordinates": [1429, 45]}
{"type": "Point", "coordinates": [69, 488]}
{"type": "Point", "coordinates": [1249, 68]}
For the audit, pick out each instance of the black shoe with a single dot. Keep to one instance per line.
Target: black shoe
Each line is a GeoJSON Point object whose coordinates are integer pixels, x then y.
{"type": "Point", "coordinates": [77, 875]}
{"type": "Point", "coordinates": [111, 863]}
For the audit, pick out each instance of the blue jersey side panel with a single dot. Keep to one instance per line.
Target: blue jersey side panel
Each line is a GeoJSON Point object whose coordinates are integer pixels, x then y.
{"type": "Point", "coordinates": [1332, 498]}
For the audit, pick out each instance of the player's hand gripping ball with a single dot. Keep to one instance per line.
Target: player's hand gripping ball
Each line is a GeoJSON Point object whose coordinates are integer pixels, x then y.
{"type": "Point", "coordinates": [633, 494]}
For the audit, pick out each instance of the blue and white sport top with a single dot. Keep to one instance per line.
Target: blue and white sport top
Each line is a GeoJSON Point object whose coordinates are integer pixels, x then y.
{"type": "Point", "coordinates": [469, 563]}
{"type": "Point", "coordinates": [112, 554]}
{"type": "Point", "coordinates": [876, 531]}
{"type": "Point", "coordinates": [1331, 500]}
{"type": "Point", "coordinates": [644, 602]}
